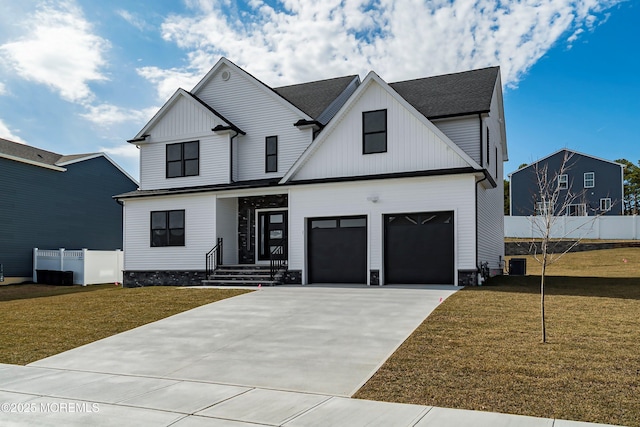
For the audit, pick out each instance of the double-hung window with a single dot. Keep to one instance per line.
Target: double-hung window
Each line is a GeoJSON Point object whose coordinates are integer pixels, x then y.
{"type": "Point", "coordinates": [271, 154]}
{"type": "Point", "coordinates": [589, 179]}
{"type": "Point", "coordinates": [183, 159]}
{"type": "Point", "coordinates": [374, 131]}
{"type": "Point", "coordinates": [167, 228]}
{"type": "Point", "coordinates": [563, 181]}
{"type": "Point", "coordinates": [543, 208]}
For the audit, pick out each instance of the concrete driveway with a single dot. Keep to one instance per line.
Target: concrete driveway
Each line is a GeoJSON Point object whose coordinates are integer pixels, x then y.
{"type": "Point", "coordinates": [286, 356]}
{"type": "Point", "coordinates": [312, 339]}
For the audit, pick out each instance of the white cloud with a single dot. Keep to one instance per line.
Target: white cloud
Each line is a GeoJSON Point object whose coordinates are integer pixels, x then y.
{"type": "Point", "coordinates": [133, 19]}
{"type": "Point", "coordinates": [59, 51]}
{"type": "Point", "coordinates": [6, 133]}
{"type": "Point", "coordinates": [107, 115]}
{"type": "Point", "coordinates": [168, 81]}
{"type": "Point", "coordinates": [303, 40]}
{"type": "Point", "coordinates": [125, 150]}
{"type": "Point", "coordinates": [3, 89]}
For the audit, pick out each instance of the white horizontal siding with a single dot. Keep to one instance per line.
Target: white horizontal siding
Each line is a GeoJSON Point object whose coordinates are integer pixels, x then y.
{"type": "Point", "coordinates": [411, 145]}
{"type": "Point", "coordinates": [424, 194]}
{"type": "Point", "coordinates": [465, 132]}
{"type": "Point", "coordinates": [491, 200]}
{"type": "Point", "coordinates": [490, 225]}
{"type": "Point", "coordinates": [200, 219]}
{"type": "Point", "coordinates": [214, 163]}
{"type": "Point", "coordinates": [259, 113]}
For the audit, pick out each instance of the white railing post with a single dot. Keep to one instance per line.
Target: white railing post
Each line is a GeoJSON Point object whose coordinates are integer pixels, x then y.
{"type": "Point", "coordinates": [61, 250]}
{"type": "Point", "coordinates": [84, 266]}
{"type": "Point", "coordinates": [119, 262]}
{"type": "Point", "coordinates": [35, 265]}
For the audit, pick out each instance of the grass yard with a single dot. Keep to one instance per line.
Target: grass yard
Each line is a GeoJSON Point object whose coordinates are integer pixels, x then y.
{"type": "Point", "coordinates": [623, 262]}
{"type": "Point", "coordinates": [39, 320]}
{"type": "Point", "coordinates": [481, 349]}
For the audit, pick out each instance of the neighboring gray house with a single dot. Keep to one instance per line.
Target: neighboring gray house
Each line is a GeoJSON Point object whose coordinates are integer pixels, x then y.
{"type": "Point", "coordinates": [597, 182]}
{"type": "Point", "coordinates": [349, 181]}
{"type": "Point", "coordinates": [51, 201]}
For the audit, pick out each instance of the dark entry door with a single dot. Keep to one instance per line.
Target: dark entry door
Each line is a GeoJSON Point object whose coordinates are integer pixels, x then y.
{"type": "Point", "coordinates": [272, 234]}
{"type": "Point", "coordinates": [418, 248]}
{"type": "Point", "coordinates": [337, 250]}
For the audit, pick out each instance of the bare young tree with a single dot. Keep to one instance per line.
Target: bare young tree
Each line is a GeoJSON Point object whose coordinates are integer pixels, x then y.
{"type": "Point", "coordinates": [555, 197]}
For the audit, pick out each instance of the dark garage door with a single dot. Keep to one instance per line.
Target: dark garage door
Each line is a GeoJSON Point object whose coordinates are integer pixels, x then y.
{"type": "Point", "coordinates": [337, 250]}
{"type": "Point", "coordinates": [418, 248]}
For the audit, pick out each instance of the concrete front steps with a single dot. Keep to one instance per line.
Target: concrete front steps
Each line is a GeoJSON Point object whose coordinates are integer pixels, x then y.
{"type": "Point", "coordinates": [244, 275]}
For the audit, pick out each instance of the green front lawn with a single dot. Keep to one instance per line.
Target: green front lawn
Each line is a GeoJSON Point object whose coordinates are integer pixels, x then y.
{"type": "Point", "coordinates": [481, 349]}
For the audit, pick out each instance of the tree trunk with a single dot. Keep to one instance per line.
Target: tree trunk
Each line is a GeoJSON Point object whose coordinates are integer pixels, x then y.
{"type": "Point", "coordinates": [544, 328]}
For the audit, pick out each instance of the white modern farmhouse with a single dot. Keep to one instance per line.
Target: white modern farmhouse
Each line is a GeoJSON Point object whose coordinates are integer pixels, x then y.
{"type": "Point", "coordinates": [332, 181]}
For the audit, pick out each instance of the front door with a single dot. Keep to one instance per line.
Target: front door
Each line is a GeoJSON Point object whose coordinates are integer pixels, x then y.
{"type": "Point", "coordinates": [272, 234]}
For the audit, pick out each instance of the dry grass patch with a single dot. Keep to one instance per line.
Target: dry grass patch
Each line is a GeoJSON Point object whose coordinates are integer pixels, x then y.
{"type": "Point", "coordinates": [481, 349]}
{"type": "Point", "coordinates": [39, 321]}
{"type": "Point", "coordinates": [622, 262]}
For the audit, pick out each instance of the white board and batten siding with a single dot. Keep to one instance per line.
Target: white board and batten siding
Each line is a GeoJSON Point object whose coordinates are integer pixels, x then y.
{"type": "Point", "coordinates": [465, 132]}
{"type": "Point", "coordinates": [411, 145]}
{"type": "Point", "coordinates": [200, 233]}
{"type": "Point", "coordinates": [259, 112]}
{"type": "Point", "coordinates": [421, 194]}
{"type": "Point", "coordinates": [185, 121]}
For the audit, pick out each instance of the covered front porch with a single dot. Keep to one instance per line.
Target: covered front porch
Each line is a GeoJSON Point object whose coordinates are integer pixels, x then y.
{"type": "Point", "coordinates": [252, 243]}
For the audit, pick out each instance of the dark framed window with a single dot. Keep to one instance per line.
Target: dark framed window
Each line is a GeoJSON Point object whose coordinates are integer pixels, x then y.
{"type": "Point", "coordinates": [374, 132]}
{"type": "Point", "coordinates": [167, 228]}
{"type": "Point", "coordinates": [271, 154]}
{"type": "Point", "coordinates": [183, 159]}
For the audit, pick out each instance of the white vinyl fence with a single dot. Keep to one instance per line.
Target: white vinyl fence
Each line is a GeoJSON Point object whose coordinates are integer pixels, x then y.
{"type": "Point", "coordinates": [89, 267]}
{"type": "Point", "coordinates": [576, 227]}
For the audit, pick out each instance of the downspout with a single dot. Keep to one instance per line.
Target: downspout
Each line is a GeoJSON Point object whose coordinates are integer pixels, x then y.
{"type": "Point", "coordinates": [481, 141]}
{"type": "Point", "coordinates": [477, 260]}
{"type": "Point", "coordinates": [231, 157]}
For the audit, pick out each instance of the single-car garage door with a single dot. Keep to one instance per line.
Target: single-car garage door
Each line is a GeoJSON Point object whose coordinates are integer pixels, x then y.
{"type": "Point", "coordinates": [418, 248]}
{"type": "Point", "coordinates": [337, 250]}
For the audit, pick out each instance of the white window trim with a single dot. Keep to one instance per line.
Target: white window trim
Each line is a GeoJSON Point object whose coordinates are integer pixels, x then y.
{"type": "Point", "coordinates": [607, 204]}
{"type": "Point", "coordinates": [582, 209]}
{"type": "Point", "coordinates": [543, 208]}
{"type": "Point", "coordinates": [592, 179]}
{"type": "Point", "coordinates": [563, 179]}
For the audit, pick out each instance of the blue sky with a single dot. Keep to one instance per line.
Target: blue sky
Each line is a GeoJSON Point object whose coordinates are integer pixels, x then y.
{"type": "Point", "coordinates": [81, 76]}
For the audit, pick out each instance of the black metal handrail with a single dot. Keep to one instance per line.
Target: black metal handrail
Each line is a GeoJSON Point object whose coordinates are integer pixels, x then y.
{"type": "Point", "coordinates": [277, 257]}
{"type": "Point", "coordinates": [213, 258]}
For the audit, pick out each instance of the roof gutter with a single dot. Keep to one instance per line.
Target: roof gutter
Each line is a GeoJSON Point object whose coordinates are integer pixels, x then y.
{"type": "Point", "coordinates": [142, 138]}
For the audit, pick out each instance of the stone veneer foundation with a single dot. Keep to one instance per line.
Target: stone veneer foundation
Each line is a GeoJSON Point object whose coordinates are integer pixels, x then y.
{"type": "Point", "coordinates": [136, 279]}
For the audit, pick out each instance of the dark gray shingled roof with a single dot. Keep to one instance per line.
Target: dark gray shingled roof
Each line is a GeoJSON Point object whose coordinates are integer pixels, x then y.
{"type": "Point", "coordinates": [27, 152]}
{"type": "Point", "coordinates": [314, 97]}
{"type": "Point", "coordinates": [450, 95]}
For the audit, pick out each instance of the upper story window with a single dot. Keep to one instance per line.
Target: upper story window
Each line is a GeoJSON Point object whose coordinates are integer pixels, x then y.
{"type": "Point", "coordinates": [374, 132]}
{"type": "Point", "coordinates": [167, 228]}
{"type": "Point", "coordinates": [563, 181]}
{"type": "Point", "coordinates": [589, 179]}
{"type": "Point", "coordinates": [183, 159]}
{"type": "Point", "coordinates": [271, 154]}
